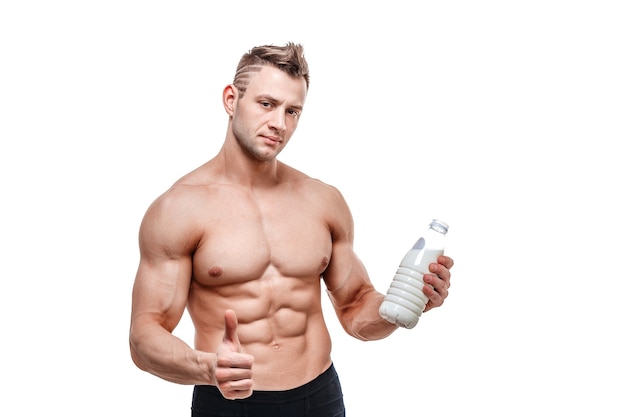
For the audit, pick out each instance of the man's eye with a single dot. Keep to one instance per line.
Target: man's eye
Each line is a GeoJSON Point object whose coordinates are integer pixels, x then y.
{"type": "Point", "coordinates": [265, 104]}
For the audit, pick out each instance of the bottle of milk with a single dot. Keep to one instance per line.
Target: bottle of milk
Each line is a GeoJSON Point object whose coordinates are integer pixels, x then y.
{"type": "Point", "coordinates": [404, 302]}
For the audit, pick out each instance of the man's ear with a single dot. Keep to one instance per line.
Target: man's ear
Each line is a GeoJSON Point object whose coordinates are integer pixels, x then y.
{"type": "Point", "coordinates": [229, 96]}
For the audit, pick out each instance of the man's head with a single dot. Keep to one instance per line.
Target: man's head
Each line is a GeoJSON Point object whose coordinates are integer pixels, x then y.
{"type": "Point", "coordinates": [266, 99]}
{"type": "Point", "coordinates": [289, 59]}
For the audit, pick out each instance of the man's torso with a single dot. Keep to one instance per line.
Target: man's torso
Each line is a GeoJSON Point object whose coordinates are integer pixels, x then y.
{"type": "Point", "coordinates": [261, 253]}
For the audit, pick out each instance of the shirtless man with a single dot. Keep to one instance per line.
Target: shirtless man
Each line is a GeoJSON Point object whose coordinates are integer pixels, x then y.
{"type": "Point", "coordinates": [243, 242]}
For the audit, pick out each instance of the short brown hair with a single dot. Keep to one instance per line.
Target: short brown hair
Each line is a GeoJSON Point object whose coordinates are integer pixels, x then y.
{"type": "Point", "coordinates": [288, 58]}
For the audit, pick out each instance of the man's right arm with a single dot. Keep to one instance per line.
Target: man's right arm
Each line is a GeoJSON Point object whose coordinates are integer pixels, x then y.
{"type": "Point", "coordinates": [159, 298]}
{"type": "Point", "coordinates": [155, 313]}
{"type": "Point", "coordinates": [158, 302]}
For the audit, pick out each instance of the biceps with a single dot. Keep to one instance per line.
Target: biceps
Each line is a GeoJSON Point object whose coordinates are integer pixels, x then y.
{"type": "Point", "coordinates": [347, 281]}
{"type": "Point", "coordinates": [161, 289]}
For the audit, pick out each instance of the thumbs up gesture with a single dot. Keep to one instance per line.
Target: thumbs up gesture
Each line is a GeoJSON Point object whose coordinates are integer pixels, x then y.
{"type": "Point", "coordinates": [233, 369]}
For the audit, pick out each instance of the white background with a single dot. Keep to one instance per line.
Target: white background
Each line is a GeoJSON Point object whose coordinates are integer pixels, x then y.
{"type": "Point", "coordinates": [505, 119]}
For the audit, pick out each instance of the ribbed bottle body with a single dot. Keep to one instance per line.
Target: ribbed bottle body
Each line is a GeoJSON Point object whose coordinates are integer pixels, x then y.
{"type": "Point", "coordinates": [405, 301]}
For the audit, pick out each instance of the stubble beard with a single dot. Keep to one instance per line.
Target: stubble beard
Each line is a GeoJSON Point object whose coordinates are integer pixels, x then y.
{"type": "Point", "coordinates": [256, 151]}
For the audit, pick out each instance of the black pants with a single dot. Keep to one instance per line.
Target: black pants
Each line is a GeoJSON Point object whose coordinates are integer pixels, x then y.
{"type": "Point", "coordinates": [321, 397]}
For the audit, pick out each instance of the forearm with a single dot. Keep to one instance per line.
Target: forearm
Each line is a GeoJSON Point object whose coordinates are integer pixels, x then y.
{"type": "Point", "coordinates": [362, 320]}
{"type": "Point", "coordinates": [157, 351]}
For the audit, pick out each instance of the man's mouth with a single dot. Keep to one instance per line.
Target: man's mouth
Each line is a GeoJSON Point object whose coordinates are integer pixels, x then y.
{"type": "Point", "coordinates": [272, 140]}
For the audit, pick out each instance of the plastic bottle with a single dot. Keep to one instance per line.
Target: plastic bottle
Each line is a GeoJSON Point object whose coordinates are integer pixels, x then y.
{"type": "Point", "coordinates": [404, 302]}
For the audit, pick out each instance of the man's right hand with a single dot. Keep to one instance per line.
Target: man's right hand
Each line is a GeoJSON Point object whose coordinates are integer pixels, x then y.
{"type": "Point", "coordinates": [233, 369]}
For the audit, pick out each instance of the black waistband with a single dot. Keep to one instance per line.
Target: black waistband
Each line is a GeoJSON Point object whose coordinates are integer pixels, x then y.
{"type": "Point", "coordinates": [293, 394]}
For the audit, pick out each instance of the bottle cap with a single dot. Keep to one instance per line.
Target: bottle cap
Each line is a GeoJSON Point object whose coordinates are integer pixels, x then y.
{"type": "Point", "coordinates": [439, 226]}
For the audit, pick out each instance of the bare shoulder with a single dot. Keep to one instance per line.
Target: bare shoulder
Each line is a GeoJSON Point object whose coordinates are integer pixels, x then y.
{"type": "Point", "coordinates": [311, 186]}
{"type": "Point", "coordinates": [171, 221]}
{"type": "Point", "coordinates": [191, 191]}
{"type": "Point", "coordinates": [181, 197]}
{"type": "Point", "coordinates": [326, 197]}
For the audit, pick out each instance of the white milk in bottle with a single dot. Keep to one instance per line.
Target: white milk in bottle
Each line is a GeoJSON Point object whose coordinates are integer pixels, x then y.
{"type": "Point", "coordinates": [404, 302]}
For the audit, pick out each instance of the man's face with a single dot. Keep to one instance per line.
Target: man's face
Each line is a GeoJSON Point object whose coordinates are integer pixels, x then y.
{"type": "Point", "coordinates": [267, 115]}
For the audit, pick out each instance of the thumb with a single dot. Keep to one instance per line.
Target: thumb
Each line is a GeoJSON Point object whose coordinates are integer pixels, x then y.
{"type": "Point", "coordinates": [230, 329]}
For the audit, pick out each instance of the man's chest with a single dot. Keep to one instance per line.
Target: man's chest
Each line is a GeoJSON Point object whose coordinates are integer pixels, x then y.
{"type": "Point", "coordinates": [242, 244]}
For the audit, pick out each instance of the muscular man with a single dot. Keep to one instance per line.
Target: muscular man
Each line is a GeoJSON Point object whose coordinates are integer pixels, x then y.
{"type": "Point", "coordinates": [243, 242]}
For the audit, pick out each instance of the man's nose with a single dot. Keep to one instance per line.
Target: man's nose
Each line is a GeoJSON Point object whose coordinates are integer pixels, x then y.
{"type": "Point", "coordinates": [278, 121]}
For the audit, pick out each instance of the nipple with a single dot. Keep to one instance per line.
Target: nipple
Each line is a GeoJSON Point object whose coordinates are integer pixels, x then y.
{"type": "Point", "coordinates": [215, 272]}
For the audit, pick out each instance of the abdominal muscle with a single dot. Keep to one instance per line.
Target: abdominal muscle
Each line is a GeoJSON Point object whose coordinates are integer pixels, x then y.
{"type": "Point", "coordinates": [280, 323]}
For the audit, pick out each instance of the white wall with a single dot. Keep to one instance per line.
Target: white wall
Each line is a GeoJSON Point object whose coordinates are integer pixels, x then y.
{"type": "Point", "coordinates": [505, 119]}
